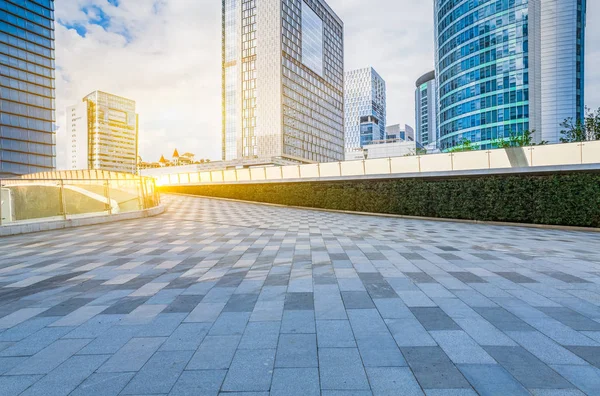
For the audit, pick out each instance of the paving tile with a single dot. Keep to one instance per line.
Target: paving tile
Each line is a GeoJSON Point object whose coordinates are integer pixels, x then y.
{"type": "Point", "coordinates": [573, 319]}
{"type": "Point", "coordinates": [299, 322]}
{"type": "Point", "coordinates": [159, 374]}
{"type": "Point", "coordinates": [215, 353]}
{"type": "Point", "coordinates": [409, 332]}
{"type": "Point", "coordinates": [461, 348]}
{"type": "Point", "coordinates": [299, 302]}
{"type": "Point", "coordinates": [434, 369]}
{"type": "Point", "coordinates": [14, 385]}
{"type": "Point", "coordinates": [586, 378]}
{"type": "Point", "coordinates": [36, 342]}
{"type": "Point", "coordinates": [335, 334]}
{"type": "Point", "coordinates": [545, 349]}
{"type": "Point", "coordinates": [260, 335]}
{"type": "Point", "coordinates": [250, 371]}
{"type": "Point", "coordinates": [186, 337]}
{"type": "Point", "coordinates": [133, 355]}
{"type": "Point", "coordinates": [503, 320]}
{"type": "Point", "coordinates": [103, 384]}
{"type": "Point", "coordinates": [19, 317]}
{"type": "Point", "coordinates": [67, 376]}
{"type": "Point", "coordinates": [184, 304]}
{"type": "Point", "coordinates": [205, 312]}
{"type": "Point", "coordinates": [50, 357]}
{"type": "Point", "coordinates": [193, 383]}
{"type": "Point", "coordinates": [434, 319]}
{"type": "Point", "coordinates": [527, 369]}
{"type": "Point", "coordinates": [393, 381]}
{"type": "Point", "coordinates": [357, 300]}
{"type": "Point", "coordinates": [297, 350]}
{"type": "Point", "coordinates": [587, 353]}
{"type": "Point", "coordinates": [492, 379]}
{"type": "Point", "coordinates": [295, 382]}
{"type": "Point", "coordinates": [342, 369]}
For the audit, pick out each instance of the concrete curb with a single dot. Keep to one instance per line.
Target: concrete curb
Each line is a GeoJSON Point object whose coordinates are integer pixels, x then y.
{"type": "Point", "coordinates": [19, 229]}
{"type": "Point", "coordinates": [438, 219]}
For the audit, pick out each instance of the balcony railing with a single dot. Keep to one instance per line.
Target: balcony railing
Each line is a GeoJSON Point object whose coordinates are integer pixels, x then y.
{"type": "Point", "coordinates": [74, 194]}
{"type": "Point", "coordinates": [516, 157]}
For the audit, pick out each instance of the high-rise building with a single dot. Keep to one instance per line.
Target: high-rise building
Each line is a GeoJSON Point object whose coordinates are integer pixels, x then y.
{"type": "Point", "coordinates": [27, 103]}
{"type": "Point", "coordinates": [283, 81]}
{"type": "Point", "coordinates": [400, 132]}
{"type": "Point", "coordinates": [426, 110]}
{"type": "Point", "coordinates": [365, 108]}
{"type": "Point", "coordinates": [102, 134]}
{"type": "Point", "coordinates": [506, 67]}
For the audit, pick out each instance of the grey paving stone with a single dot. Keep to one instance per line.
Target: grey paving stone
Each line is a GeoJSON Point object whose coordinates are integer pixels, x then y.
{"type": "Point", "coordinates": [335, 334]}
{"type": "Point", "coordinates": [260, 335]}
{"type": "Point", "coordinates": [194, 383]}
{"type": "Point", "coordinates": [230, 323]}
{"type": "Point", "coordinates": [393, 381]}
{"type": "Point", "coordinates": [205, 312]}
{"type": "Point", "coordinates": [527, 369]}
{"type": "Point", "coordinates": [380, 351]}
{"type": "Point", "coordinates": [467, 277]}
{"type": "Point", "coordinates": [297, 350]}
{"type": "Point", "coordinates": [392, 308]}
{"type": "Point", "coordinates": [357, 300]}
{"type": "Point", "coordinates": [250, 371]}
{"type": "Point", "coordinates": [573, 319]}
{"type": "Point", "coordinates": [111, 341]}
{"type": "Point", "coordinates": [103, 384]}
{"type": "Point", "coordinates": [544, 348]}
{"type": "Point", "coordinates": [133, 355]}
{"type": "Point", "coordinates": [515, 277]}
{"type": "Point", "coordinates": [503, 320]}
{"type": "Point", "coordinates": [36, 342]}
{"type": "Point", "coordinates": [342, 369]}
{"type": "Point", "coordinates": [184, 304]}
{"type": "Point", "coordinates": [450, 392]}
{"type": "Point", "coordinates": [50, 357]}
{"type": "Point", "coordinates": [159, 374]}
{"type": "Point", "coordinates": [409, 332]}
{"type": "Point", "coordinates": [346, 393]}
{"type": "Point", "coordinates": [14, 385]}
{"type": "Point", "coordinates": [163, 325]}
{"type": "Point", "coordinates": [586, 378]}
{"type": "Point", "coordinates": [215, 353]}
{"type": "Point", "coordinates": [484, 333]}
{"type": "Point", "coordinates": [187, 337]}
{"type": "Point", "coordinates": [299, 322]}
{"type": "Point", "coordinates": [299, 302]}
{"type": "Point", "coordinates": [7, 363]}
{"type": "Point", "coordinates": [420, 277]}
{"type": "Point", "coordinates": [434, 319]}
{"type": "Point", "coordinates": [241, 303]}
{"type": "Point", "coordinates": [25, 329]}
{"type": "Point", "coordinates": [492, 379]}
{"type": "Point", "coordinates": [367, 322]}
{"type": "Point", "coordinates": [433, 369]}
{"type": "Point", "coordinates": [587, 353]}
{"type": "Point", "coordinates": [67, 376]}
{"type": "Point", "coordinates": [295, 382]}
{"type": "Point", "coordinates": [461, 348]}
{"type": "Point", "coordinates": [94, 327]}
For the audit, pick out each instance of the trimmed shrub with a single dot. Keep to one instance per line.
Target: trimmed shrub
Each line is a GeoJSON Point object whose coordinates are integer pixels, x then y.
{"type": "Point", "coordinates": [559, 199]}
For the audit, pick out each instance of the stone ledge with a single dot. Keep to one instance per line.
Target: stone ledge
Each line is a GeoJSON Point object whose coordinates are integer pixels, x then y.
{"type": "Point", "coordinates": [18, 229]}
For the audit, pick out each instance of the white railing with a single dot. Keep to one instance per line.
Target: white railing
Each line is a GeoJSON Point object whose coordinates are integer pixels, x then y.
{"type": "Point", "coordinates": [517, 157]}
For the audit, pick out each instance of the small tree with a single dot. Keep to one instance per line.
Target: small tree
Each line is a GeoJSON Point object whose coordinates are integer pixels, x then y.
{"type": "Point", "coordinates": [581, 131]}
{"type": "Point", "coordinates": [463, 145]}
{"type": "Point", "coordinates": [519, 140]}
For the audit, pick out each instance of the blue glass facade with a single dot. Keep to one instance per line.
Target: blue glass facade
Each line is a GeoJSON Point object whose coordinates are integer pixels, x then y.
{"type": "Point", "coordinates": [482, 68]}
{"type": "Point", "coordinates": [27, 100]}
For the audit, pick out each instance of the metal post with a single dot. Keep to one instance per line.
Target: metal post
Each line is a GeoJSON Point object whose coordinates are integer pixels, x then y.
{"type": "Point", "coordinates": [63, 203]}
{"type": "Point", "coordinates": [107, 195]}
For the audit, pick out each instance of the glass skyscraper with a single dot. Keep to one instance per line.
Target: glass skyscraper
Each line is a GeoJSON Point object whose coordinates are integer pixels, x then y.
{"type": "Point", "coordinates": [506, 66]}
{"type": "Point", "coordinates": [426, 110]}
{"type": "Point", "coordinates": [102, 134]}
{"type": "Point", "coordinates": [365, 108]}
{"type": "Point", "coordinates": [27, 103]}
{"type": "Point", "coordinates": [282, 81]}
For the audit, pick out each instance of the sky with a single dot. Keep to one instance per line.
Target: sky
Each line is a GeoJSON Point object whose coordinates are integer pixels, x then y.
{"type": "Point", "coordinates": [166, 55]}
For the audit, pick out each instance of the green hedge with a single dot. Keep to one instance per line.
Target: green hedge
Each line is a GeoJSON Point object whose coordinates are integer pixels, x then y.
{"type": "Point", "coordinates": [560, 199]}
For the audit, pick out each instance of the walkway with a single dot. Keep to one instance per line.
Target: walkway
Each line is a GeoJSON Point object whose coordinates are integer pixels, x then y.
{"type": "Point", "coordinates": [244, 299]}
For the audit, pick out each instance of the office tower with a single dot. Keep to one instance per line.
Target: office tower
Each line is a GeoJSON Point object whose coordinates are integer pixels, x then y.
{"type": "Point", "coordinates": [365, 107]}
{"type": "Point", "coordinates": [425, 110]}
{"type": "Point", "coordinates": [507, 67]}
{"type": "Point", "coordinates": [27, 102]}
{"type": "Point", "coordinates": [283, 81]}
{"type": "Point", "coordinates": [399, 132]}
{"type": "Point", "coordinates": [102, 134]}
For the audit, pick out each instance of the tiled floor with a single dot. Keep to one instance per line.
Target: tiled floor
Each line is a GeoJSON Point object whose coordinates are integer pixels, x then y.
{"type": "Point", "coordinates": [245, 299]}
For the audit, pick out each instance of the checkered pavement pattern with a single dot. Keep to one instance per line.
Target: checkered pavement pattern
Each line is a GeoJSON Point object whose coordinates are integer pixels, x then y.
{"type": "Point", "coordinates": [226, 298]}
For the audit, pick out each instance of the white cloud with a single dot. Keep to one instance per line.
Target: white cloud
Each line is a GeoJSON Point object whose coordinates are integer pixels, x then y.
{"type": "Point", "coordinates": [166, 55]}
